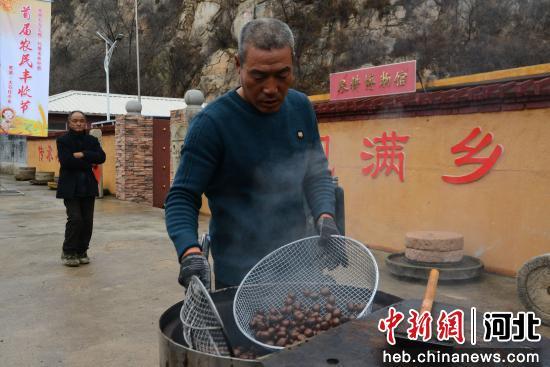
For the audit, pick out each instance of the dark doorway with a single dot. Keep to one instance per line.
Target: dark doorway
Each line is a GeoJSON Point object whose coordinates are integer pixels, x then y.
{"type": "Point", "coordinates": [161, 161]}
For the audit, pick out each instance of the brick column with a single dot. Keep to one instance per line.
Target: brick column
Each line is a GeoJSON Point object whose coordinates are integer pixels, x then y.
{"type": "Point", "coordinates": [179, 123]}
{"type": "Point", "coordinates": [134, 158]}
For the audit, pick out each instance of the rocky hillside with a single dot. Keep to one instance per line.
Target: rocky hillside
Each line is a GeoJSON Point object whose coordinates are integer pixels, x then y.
{"type": "Point", "coordinates": [192, 43]}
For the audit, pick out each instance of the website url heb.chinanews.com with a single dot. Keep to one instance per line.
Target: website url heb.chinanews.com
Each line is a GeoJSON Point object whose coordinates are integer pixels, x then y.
{"type": "Point", "coordinates": [477, 357]}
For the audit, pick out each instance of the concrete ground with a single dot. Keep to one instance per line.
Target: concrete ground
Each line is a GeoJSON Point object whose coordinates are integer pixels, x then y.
{"type": "Point", "coordinates": [106, 313]}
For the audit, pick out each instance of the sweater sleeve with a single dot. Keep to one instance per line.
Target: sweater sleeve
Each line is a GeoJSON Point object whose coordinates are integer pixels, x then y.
{"type": "Point", "coordinates": [199, 158]}
{"type": "Point", "coordinates": [318, 185]}
{"type": "Point", "coordinates": [95, 155]}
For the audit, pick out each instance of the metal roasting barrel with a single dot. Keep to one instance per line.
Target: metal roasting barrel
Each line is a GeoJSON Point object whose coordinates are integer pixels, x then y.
{"type": "Point", "coordinates": [174, 352]}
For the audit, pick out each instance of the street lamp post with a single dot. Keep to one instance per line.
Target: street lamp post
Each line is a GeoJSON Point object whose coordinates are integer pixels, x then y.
{"type": "Point", "coordinates": [109, 48]}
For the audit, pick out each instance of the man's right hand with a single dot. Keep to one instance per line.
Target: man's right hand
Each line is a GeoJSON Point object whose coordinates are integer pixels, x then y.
{"type": "Point", "coordinates": [194, 263]}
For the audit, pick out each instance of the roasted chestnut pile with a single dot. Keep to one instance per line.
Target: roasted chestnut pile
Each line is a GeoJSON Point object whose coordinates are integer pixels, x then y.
{"type": "Point", "coordinates": [294, 322]}
{"type": "Point", "coordinates": [244, 353]}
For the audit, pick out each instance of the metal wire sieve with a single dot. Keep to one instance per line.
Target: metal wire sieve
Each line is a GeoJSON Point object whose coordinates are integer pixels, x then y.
{"type": "Point", "coordinates": [203, 328]}
{"type": "Point", "coordinates": [300, 266]}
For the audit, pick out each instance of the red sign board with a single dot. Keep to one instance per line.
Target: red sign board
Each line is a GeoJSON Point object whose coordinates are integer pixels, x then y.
{"type": "Point", "coordinates": [374, 81]}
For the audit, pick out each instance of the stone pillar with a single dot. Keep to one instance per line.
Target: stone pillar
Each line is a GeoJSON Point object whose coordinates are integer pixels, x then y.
{"type": "Point", "coordinates": [134, 158]}
{"type": "Point", "coordinates": [179, 123]}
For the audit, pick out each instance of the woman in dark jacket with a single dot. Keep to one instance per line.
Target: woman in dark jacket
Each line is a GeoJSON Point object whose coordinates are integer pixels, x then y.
{"type": "Point", "coordinates": [77, 186]}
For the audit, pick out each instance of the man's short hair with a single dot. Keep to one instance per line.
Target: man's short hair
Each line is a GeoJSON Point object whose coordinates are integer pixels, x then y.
{"type": "Point", "coordinates": [76, 111]}
{"type": "Point", "coordinates": [265, 34]}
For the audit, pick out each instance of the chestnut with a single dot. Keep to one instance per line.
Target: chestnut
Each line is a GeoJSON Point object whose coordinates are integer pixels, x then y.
{"type": "Point", "coordinates": [314, 296]}
{"type": "Point", "coordinates": [344, 318]}
{"type": "Point", "coordinates": [282, 342]}
{"type": "Point", "coordinates": [236, 352]}
{"type": "Point", "coordinates": [291, 295]}
{"type": "Point", "coordinates": [351, 306]}
{"type": "Point", "coordinates": [325, 291]}
{"type": "Point", "coordinates": [327, 317]}
{"type": "Point", "coordinates": [308, 333]}
{"type": "Point", "coordinates": [316, 307]}
{"type": "Point", "coordinates": [298, 315]}
{"type": "Point", "coordinates": [329, 307]}
{"type": "Point", "coordinates": [335, 322]}
{"type": "Point", "coordinates": [331, 299]}
{"type": "Point", "coordinates": [336, 312]}
{"type": "Point", "coordinates": [324, 325]}
{"type": "Point", "coordinates": [318, 326]}
{"type": "Point", "coordinates": [285, 323]}
{"type": "Point", "coordinates": [301, 328]}
{"type": "Point", "coordinates": [270, 332]}
{"type": "Point", "coordinates": [289, 301]}
{"type": "Point", "coordinates": [301, 337]}
{"type": "Point", "coordinates": [310, 321]}
{"type": "Point", "coordinates": [281, 334]}
{"type": "Point", "coordinates": [306, 292]}
{"type": "Point", "coordinates": [359, 307]}
{"type": "Point", "coordinates": [297, 305]}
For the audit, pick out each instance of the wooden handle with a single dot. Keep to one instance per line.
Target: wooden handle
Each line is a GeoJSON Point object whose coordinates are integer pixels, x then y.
{"type": "Point", "coordinates": [429, 295]}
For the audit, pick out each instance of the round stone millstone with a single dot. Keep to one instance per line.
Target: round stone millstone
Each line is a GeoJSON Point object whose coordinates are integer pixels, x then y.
{"type": "Point", "coordinates": [434, 241]}
{"type": "Point", "coordinates": [429, 256]}
{"type": "Point", "coordinates": [534, 286]}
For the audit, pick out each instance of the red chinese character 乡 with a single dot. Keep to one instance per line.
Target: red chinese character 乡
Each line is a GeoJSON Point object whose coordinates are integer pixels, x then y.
{"type": "Point", "coordinates": [390, 323]}
{"type": "Point", "coordinates": [24, 91]}
{"type": "Point", "coordinates": [389, 155]}
{"type": "Point", "coordinates": [26, 30]}
{"type": "Point", "coordinates": [26, 59]}
{"type": "Point", "coordinates": [451, 325]}
{"type": "Point", "coordinates": [26, 76]}
{"type": "Point", "coordinates": [24, 106]}
{"type": "Point", "coordinates": [419, 326]}
{"type": "Point", "coordinates": [486, 163]}
{"type": "Point", "coordinates": [40, 153]}
{"type": "Point", "coordinates": [25, 45]}
{"type": "Point", "coordinates": [26, 11]}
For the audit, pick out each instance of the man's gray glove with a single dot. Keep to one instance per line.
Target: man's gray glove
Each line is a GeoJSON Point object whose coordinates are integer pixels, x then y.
{"type": "Point", "coordinates": [337, 255]}
{"type": "Point", "coordinates": [194, 264]}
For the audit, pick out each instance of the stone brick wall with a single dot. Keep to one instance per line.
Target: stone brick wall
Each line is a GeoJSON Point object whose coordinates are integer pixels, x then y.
{"type": "Point", "coordinates": [134, 158]}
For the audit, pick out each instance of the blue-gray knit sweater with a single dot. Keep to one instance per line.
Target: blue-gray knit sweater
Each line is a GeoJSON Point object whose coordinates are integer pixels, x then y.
{"type": "Point", "coordinates": [256, 170]}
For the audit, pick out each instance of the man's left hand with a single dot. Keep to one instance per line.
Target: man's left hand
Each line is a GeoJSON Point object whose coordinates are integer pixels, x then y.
{"type": "Point", "coordinates": [327, 229]}
{"type": "Point", "coordinates": [78, 155]}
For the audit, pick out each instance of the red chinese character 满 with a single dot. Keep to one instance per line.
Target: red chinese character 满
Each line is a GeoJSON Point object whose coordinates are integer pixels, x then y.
{"type": "Point", "coordinates": [25, 45]}
{"type": "Point", "coordinates": [390, 323]}
{"type": "Point", "coordinates": [26, 30]}
{"type": "Point", "coordinates": [26, 59]}
{"type": "Point", "coordinates": [389, 155]}
{"type": "Point", "coordinates": [451, 325]}
{"type": "Point", "coordinates": [486, 163]}
{"type": "Point", "coordinates": [24, 91]}
{"type": "Point", "coordinates": [419, 326]}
